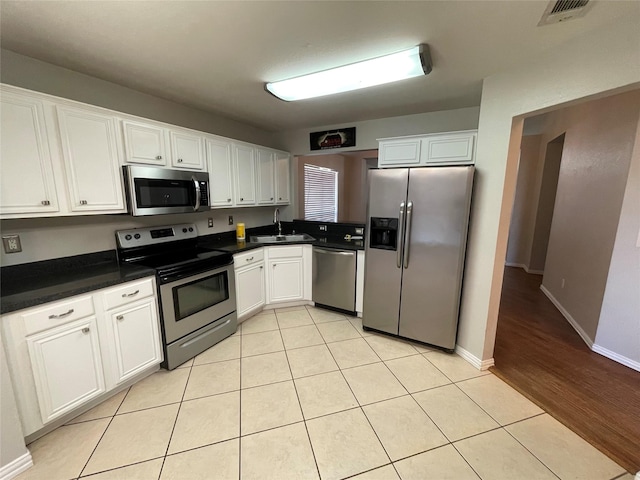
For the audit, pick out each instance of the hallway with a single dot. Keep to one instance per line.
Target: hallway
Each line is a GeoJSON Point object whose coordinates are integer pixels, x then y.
{"type": "Point", "coordinates": [540, 354]}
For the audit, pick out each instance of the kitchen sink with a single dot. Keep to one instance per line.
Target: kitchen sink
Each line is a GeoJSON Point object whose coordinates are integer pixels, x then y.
{"type": "Point", "coordinates": [297, 237]}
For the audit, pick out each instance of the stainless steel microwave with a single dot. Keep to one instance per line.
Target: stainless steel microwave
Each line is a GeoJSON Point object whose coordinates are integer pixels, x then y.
{"type": "Point", "coordinates": [159, 191]}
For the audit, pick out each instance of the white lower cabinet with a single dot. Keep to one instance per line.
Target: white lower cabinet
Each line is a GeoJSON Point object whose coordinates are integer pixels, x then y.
{"type": "Point", "coordinates": [288, 273]}
{"type": "Point", "coordinates": [250, 282]}
{"type": "Point", "coordinates": [67, 367]}
{"type": "Point", "coordinates": [62, 355]}
{"type": "Point", "coordinates": [135, 331]}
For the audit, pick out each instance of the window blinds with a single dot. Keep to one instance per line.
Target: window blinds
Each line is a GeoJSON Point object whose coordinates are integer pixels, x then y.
{"type": "Point", "coordinates": [320, 194]}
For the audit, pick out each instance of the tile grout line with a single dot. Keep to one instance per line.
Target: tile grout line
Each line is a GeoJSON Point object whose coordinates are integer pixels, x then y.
{"type": "Point", "coordinates": [295, 388]}
{"type": "Point", "coordinates": [531, 453]}
{"type": "Point", "coordinates": [465, 459]}
{"type": "Point", "coordinates": [240, 409]}
{"type": "Point", "coordinates": [103, 433]}
{"type": "Point", "coordinates": [175, 422]}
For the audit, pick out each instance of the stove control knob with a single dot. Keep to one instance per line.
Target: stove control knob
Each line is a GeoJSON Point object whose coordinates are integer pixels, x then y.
{"type": "Point", "coordinates": [184, 230]}
{"type": "Point", "coordinates": [127, 237]}
{"type": "Point", "coordinates": [137, 236]}
{"type": "Point", "coordinates": [191, 229]}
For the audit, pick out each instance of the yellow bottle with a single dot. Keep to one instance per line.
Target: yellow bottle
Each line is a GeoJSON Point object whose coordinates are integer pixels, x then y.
{"type": "Point", "coordinates": [240, 231]}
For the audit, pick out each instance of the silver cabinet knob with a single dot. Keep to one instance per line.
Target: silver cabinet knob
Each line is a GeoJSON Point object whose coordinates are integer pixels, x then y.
{"type": "Point", "coordinates": [179, 160]}
{"type": "Point", "coordinates": [271, 198]}
{"type": "Point", "coordinates": [159, 157]}
{"type": "Point", "coordinates": [83, 202]}
{"type": "Point", "coordinates": [85, 330]}
{"type": "Point", "coordinates": [280, 198]}
{"type": "Point", "coordinates": [261, 267]}
{"type": "Point", "coordinates": [241, 199]}
{"type": "Point", "coordinates": [120, 317]}
{"type": "Point", "coordinates": [228, 199]}
{"type": "Point", "coordinates": [45, 202]}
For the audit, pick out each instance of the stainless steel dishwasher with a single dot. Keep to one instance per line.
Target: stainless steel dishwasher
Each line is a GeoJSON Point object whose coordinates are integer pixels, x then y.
{"type": "Point", "coordinates": [334, 278]}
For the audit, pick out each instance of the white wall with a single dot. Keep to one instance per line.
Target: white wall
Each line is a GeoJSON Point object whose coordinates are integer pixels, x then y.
{"type": "Point", "coordinates": [618, 334]}
{"type": "Point", "coordinates": [367, 132]}
{"type": "Point", "coordinates": [33, 74]}
{"type": "Point", "coordinates": [601, 61]}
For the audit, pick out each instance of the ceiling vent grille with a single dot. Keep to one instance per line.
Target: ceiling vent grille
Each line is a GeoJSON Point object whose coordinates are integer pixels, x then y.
{"type": "Point", "coordinates": [562, 10]}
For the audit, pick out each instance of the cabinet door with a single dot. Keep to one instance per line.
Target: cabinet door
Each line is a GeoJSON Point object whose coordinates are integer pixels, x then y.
{"type": "Point", "coordinates": [187, 151]}
{"type": "Point", "coordinates": [282, 178]}
{"type": "Point", "coordinates": [92, 161]}
{"type": "Point", "coordinates": [286, 280]}
{"type": "Point", "coordinates": [220, 172]}
{"type": "Point", "coordinates": [250, 294]}
{"type": "Point", "coordinates": [394, 153]}
{"type": "Point", "coordinates": [144, 143]}
{"type": "Point", "coordinates": [137, 339]}
{"type": "Point", "coordinates": [266, 176]}
{"type": "Point", "coordinates": [67, 367]}
{"type": "Point", "coordinates": [245, 169]}
{"type": "Point", "coordinates": [26, 173]}
{"type": "Point", "coordinates": [448, 148]}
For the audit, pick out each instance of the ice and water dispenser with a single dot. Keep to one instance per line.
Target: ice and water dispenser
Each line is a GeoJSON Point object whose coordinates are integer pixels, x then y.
{"type": "Point", "coordinates": [383, 233]}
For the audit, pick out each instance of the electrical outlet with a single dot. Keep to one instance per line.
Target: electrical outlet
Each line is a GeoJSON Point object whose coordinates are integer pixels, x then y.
{"type": "Point", "coordinates": [11, 243]}
{"type": "Point", "coordinates": [210, 222]}
{"type": "Point", "coordinates": [230, 219]}
{"type": "Point", "coordinates": [359, 231]}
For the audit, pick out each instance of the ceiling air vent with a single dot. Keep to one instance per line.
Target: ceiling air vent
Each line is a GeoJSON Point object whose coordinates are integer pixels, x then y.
{"type": "Point", "coordinates": [562, 10]}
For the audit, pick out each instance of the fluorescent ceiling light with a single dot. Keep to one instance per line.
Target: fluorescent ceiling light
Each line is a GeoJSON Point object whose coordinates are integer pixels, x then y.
{"type": "Point", "coordinates": [390, 68]}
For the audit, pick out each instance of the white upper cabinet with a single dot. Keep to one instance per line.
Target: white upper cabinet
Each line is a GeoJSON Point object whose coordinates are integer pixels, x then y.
{"type": "Point", "coordinates": [282, 178]}
{"type": "Point", "coordinates": [266, 176]}
{"type": "Point", "coordinates": [220, 166]}
{"type": "Point", "coordinates": [453, 148]}
{"type": "Point", "coordinates": [91, 159]}
{"type": "Point", "coordinates": [245, 170]}
{"type": "Point", "coordinates": [26, 174]}
{"type": "Point", "coordinates": [144, 143]}
{"type": "Point", "coordinates": [187, 150]}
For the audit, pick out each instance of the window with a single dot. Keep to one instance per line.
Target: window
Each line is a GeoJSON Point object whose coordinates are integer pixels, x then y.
{"type": "Point", "coordinates": [320, 194]}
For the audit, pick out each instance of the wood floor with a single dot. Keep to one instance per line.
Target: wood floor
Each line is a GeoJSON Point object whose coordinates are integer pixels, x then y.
{"type": "Point", "coordinates": [540, 354]}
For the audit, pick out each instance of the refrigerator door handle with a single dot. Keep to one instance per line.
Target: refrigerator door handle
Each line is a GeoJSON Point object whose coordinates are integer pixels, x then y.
{"type": "Point", "coordinates": [400, 236]}
{"type": "Point", "coordinates": [407, 236]}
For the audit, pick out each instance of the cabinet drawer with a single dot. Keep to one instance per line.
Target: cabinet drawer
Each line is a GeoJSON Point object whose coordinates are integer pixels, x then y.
{"type": "Point", "coordinates": [127, 293]}
{"type": "Point", "coordinates": [285, 252]}
{"type": "Point", "coordinates": [248, 258]}
{"type": "Point", "coordinates": [59, 313]}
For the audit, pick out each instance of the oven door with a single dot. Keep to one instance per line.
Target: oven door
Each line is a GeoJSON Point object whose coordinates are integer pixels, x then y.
{"type": "Point", "coordinates": [158, 191]}
{"type": "Point", "coordinates": [196, 301]}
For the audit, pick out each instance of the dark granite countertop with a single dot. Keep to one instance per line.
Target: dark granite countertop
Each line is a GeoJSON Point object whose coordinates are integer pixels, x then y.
{"type": "Point", "coordinates": [36, 283]}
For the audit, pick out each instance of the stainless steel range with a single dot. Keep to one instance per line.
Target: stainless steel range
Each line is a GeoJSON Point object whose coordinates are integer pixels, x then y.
{"type": "Point", "coordinates": [196, 287]}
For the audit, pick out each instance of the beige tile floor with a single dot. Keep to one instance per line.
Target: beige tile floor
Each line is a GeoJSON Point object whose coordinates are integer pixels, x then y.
{"type": "Point", "coordinates": [302, 393]}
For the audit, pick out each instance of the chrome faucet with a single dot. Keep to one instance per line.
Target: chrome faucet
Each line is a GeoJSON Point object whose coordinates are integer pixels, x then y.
{"type": "Point", "coordinates": [276, 219]}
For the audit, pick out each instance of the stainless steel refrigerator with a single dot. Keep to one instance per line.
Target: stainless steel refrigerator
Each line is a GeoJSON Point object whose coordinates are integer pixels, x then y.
{"type": "Point", "coordinates": [414, 254]}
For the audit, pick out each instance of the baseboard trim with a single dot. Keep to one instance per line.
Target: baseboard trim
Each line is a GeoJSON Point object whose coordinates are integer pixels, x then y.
{"type": "Point", "coordinates": [525, 268]}
{"type": "Point", "coordinates": [569, 318]}
{"type": "Point", "coordinates": [19, 465]}
{"type": "Point", "coordinates": [638, 476]}
{"type": "Point", "coordinates": [473, 360]}
{"type": "Point", "coordinates": [616, 357]}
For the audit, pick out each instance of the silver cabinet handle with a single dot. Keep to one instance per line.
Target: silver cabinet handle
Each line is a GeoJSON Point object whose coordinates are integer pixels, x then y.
{"type": "Point", "coordinates": [62, 315]}
{"type": "Point", "coordinates": [125, 295]}
{"type": "Point", "coordinates": [83, 202]}
{"type": "Point", "coordinates": [197, 185]}
{"type": "Point", "coordinates": [45, 202]}
{"type": "Point", "coordinates": [159, 157]}
{"type": "Point", "coordinates": [85, 330]}
{"type": "Point", "coordinates": [120, 317]}
{"type": "Point", "coordinates": [338, 252]}
{"type": "Point", "coordinates": [407, 235]}
{"type": "Point", "coordinates": [249, 259]}
{"type": "Point", "coordinates": [400, 236]}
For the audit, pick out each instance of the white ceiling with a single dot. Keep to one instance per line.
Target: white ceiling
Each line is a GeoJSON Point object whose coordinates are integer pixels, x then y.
{"type": "Point", "coordinates": [217, 55]}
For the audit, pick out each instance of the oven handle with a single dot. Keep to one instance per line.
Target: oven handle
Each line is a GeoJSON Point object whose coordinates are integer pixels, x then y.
{"type": "Point", "coordinates": [197, 185]}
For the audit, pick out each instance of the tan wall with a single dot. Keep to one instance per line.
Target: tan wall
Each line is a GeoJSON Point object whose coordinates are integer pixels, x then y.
{"type": "Point", "coordinates": [592, 64]}
{"type": "Point", "coordinates": [619, 324]}
{"type": "Point", "coordinates": [524, 204]}
{"type": "Point", "coordinates": [593, 173]}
